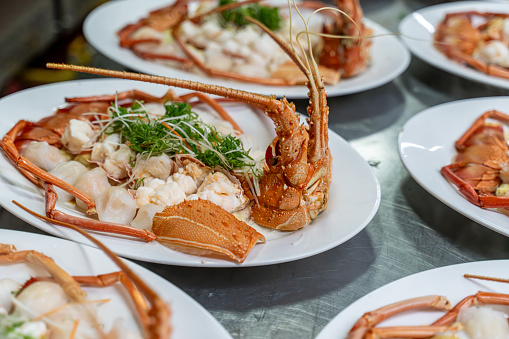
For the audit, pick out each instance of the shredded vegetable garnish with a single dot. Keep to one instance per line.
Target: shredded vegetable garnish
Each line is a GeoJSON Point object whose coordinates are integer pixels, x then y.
{"type": "Point", "coordinates": [178, 131]}
{"type": "Point", "coordinates": [269, 16]}
{"type": "Point", "coordinates": [10, 327]}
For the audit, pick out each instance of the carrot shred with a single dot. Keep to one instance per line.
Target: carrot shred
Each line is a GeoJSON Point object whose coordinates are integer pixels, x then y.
{"type": "Point", "coordinates": [74, 329]}
{"type": "Point", "coordinates": [172, 130]}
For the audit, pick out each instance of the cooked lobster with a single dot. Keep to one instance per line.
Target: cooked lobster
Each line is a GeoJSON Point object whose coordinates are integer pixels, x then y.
{"type": "Point", "coordinates": [481, 168]}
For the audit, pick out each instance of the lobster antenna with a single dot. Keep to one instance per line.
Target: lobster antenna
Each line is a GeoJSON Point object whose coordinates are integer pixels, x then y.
{"type": "Point", "coordinates": [307, 70]}
{"type": "Point", "coordinates": [481, 277]}
{"type": "Point", "coordinates": [306, 25]}
{"type": "Point", "coordinates": [259, 100]}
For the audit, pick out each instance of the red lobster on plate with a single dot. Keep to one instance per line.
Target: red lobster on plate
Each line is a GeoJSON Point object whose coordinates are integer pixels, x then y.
{"type": "Point", "coordinates": [480, 170]}
{"type": "Point", "coordinates": [483, 46]}
{"type": "Point", "coordinates": [203, 41]}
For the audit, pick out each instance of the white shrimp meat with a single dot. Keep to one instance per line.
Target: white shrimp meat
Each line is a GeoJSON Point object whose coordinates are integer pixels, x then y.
{"type": "Point", "coordinates": [93, 183]}
{"type": "Point", "coordinates": [43, 155]}
{"type": "Point", "coordinates": [118, 162]}
{"type": "Point", "coordinates": [68, 172]}
{"type": "Point", "coordinates": [76, 135]}
{"type": "Point", "coordinates": [145, 215]}
{"type": "Point", "coordinates": [218, 189]}
{"type": "Point", "coordinates": [102, 150]}
{"type": "Point", "coordinates": [495, 52]}
{"type": "Point", "coordinates": [116, 205]}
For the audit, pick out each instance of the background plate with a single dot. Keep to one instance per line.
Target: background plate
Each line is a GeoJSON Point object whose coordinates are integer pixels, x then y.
{"type": "Point", "coordinates": [84, 260]}
{"type": "Point", "coordinates": [354, 192]}
{"type": "Point", "coordinates": [447, 281]}
{"type": "Point", "coordinates": [390, 57]}
{"type": "Point", "coordinates": [418, 29]}
{"type": "Point", "coordinates": [426, 144]}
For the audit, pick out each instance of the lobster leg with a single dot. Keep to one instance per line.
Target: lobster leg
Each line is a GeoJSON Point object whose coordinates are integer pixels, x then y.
{"type": "Point", "coordinates": [7, 145]}
{"type": "Point", "coordinates": [493, 114]}
{"type": "Point", "coordinates": [481, 298]}
{"type": "Point", "coordinates": [125, 36]}
{"type": "Point", "coordinates": [413, 332]}
{"type": "Point", "coordinates": [91, 224]}
{"type": "Point", "coordinates": [109, 279]}
{"type": "Point", "coordinates": [469, 192]}
{"type": "Point", "coordinates": [371, 319]}
{"type": "Point", "coordinates": [132, 95]}
{"type": "Point", "coordinates": [186, 63]}
{"type": "Point", "coordinates": [8, 254]}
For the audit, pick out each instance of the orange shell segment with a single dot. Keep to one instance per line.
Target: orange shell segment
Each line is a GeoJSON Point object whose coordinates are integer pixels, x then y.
{"type": "Point", "coordinates": [204, 225]}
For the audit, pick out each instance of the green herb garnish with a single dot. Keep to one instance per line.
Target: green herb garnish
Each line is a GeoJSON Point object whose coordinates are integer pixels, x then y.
{"type": "Point", "coordinates": [9, 325]}
{"type": "Point", "coordinates": [269, 16]}
{"type": "Point", "coordinates": [138, 182]}
{"type": "Point", "coordinates": [178, 131]}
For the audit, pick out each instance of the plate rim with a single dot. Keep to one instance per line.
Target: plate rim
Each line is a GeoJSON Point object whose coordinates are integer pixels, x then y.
{"type": "Point", "coordinates": [345, 146]}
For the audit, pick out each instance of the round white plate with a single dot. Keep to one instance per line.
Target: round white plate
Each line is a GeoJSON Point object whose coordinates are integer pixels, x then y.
{"type": "Point", "coordinates": [447, 281]}
{"type": "Point", "coordinates": [390, 57]}
{"type": "Point", "coordinates": [426, 144]}
{"type": "Point", "coordinates": [418, 28]}
{"type": "Point", "coordinates": [84, 260]}
{"type": "Point", "coordinates": [354, 193]}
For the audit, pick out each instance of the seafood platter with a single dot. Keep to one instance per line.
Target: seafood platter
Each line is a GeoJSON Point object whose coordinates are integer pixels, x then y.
{"type": "Point", "coordinates": [428, 157]}
{"type": "Point", "coordinates": [149, 166]}
{"type": "Point", "coordinates": [201, 160]}
{"type": "Point", "coordinates": [207, 50]}
{"type": "Point", "coordinates": [468, 38]}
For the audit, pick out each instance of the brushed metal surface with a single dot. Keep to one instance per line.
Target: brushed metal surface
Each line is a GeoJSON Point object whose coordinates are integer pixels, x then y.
{"type": "Point", "coordinates": [411, 232]}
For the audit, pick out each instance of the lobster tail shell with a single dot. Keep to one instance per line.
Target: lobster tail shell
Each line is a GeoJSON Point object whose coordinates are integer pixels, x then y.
{"type": "Point", "coordinates": [205, 226]}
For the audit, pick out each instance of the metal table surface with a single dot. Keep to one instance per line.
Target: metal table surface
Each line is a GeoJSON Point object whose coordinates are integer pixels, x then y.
{"type": "Point", "coordinates": [411, 232]}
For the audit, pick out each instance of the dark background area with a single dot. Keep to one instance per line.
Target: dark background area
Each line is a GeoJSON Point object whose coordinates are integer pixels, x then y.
{"type": "Point", "coordinates": [34, 32]}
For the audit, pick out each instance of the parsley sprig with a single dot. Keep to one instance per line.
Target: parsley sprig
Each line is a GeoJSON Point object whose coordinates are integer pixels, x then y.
{"type": "Point", "coordinates": [178, 131]}
{"type": "Point", "coordinates": [269, 16]}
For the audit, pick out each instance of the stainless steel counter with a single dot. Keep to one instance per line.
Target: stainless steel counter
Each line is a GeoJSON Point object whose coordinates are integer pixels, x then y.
{"type": "Point", "coordinates": [411, 232]}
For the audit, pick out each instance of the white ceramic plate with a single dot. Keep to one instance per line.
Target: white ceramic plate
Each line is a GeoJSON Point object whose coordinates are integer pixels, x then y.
{"type": "Point", "coordinates": [447, 281]}
{"type": "Point", "coordinates": [390, 57]}
{"type": "Point", "coordinates": [426, 144]}
{"type": "Point", "coordinates": [418, 28]}
{"type": "Point", "coordinates": [84, 260]}
{"type": "Point", "coordinates": [354, 193]}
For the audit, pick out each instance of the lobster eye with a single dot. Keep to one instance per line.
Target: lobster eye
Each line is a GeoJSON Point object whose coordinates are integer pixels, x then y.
{"type": "Point", "coordinates": [273, 161]}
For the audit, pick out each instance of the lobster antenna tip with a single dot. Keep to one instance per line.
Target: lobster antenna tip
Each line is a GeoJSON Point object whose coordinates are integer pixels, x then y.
{"type": "Point", "coordinates": [481, 277]}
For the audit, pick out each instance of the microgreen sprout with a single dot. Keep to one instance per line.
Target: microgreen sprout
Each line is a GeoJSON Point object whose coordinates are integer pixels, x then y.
{"type": "Point", "coordinates": [178, 131]}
